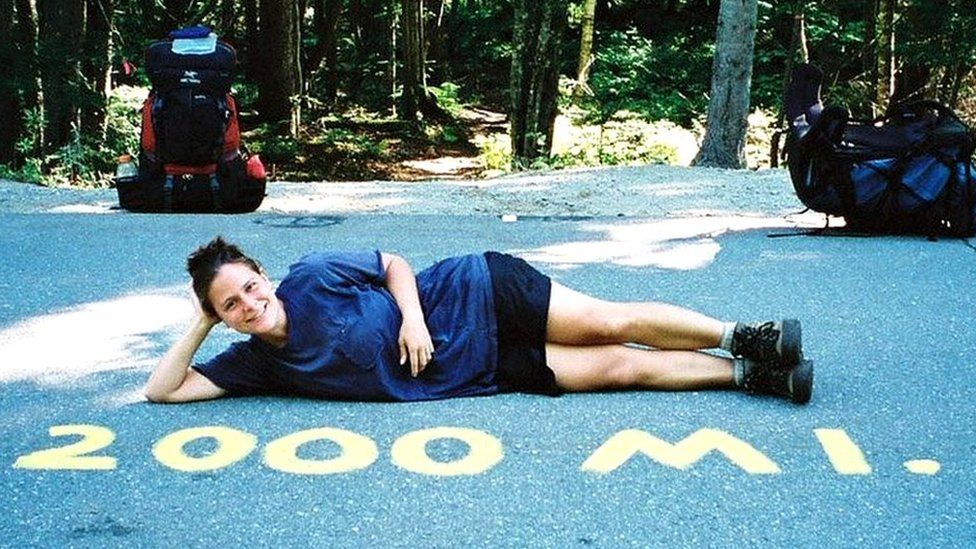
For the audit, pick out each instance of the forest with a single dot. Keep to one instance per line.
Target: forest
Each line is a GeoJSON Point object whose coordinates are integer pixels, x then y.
{"type": "Point", "coordinates": [349, 89]}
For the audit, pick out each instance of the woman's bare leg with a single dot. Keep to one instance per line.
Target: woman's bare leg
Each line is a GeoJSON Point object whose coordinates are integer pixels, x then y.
{"type": "Point", "coordinates": [611, 367]}
{"type": "Point", "coordinates": [578, 319]}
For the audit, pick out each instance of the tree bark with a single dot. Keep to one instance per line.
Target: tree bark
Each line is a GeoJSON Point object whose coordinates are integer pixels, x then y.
{"type": "Point", "coordinates": [886, 53]}
{"type": "Point", "coordinates": [538, 32]}
{"type": "Point", "coordinates": [278, 85]}
{"type": "Point", "coordinates": [960, 72]}
{"type": "Point", "coordinates": [728, 107]}
{"type": "Point", "coordinates": [25, 36]}
{"type": "Point", "coordinates": [798, 42]}
{"type": "Point", "coordinates": [870, 56]}
{"type": "Point", "coordinates": [324, 56]}
{"type": "Point", "coordinates": [10, 115]}
{"type": "Point", "coordinates": [97, 66]}
{"type": "Point", "coordinates": [586, 49]}
{"type": "Point", "coordinates": [412, 48]}
{"type": "Point", "coordinates": [433, 31]}
{"type": "Point", "coordinates": [61, 26]}
{"type": "Point", "coordinates": [252, 57]}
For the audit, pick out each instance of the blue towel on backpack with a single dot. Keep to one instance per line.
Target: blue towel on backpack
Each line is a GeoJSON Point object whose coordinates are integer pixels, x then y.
{"type": "Point", "coordinates": [198, 40]}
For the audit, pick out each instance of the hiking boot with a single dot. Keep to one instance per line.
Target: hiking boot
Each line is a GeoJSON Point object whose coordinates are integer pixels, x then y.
{"type": "Point", "coordinates": [769, 378]}
{"type": "Point", "coordinates": [774, 342]}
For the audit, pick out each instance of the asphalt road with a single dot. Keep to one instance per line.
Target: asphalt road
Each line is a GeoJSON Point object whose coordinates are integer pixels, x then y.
{"type": "Point", "coordinates": [883, 455]}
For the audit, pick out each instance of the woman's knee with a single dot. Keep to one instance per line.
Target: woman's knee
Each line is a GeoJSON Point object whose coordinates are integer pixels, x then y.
{"type": "Point", "coordinates": [601, 322]}
{"type": "Point", "coordinates": [611, 322]}
{"type": "Point", "coordinates": [622, 370]}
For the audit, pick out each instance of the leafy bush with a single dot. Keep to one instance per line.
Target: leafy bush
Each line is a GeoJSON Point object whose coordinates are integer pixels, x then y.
{"type": "Point", "coordinates": [86, 161]}
{"type": "Point", "coordinates": [447, 97]}
{"type": "Point", "coordinates": [124, 119]}
{"type": "Point", "coordinates": [759, 137]}
{"type": "Point", "coordinates": [666, 81]}
{"type": "Point", "coordinates": [350, 144]}
{"type": "Point", "coordinates": [625, 139]}
{"type": "Point", "coordinates": [495, 152]}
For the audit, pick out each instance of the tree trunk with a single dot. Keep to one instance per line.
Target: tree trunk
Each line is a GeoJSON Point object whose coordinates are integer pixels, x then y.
{"type": "Point", "coordinates": [97, 66]}
{"type": "Point", "coordinates": [960, 71]}
{"type": "Point", "coordinates": [538, 31]}
{"type": "Point", "coordinates": [798, 42]}
{"type": "Point", "coordinates": [278, 85]}
{"type": "Point", "coordinates": [433, 32]}
{"type": "Point", "coordinates": [25, 35]}
{"type": "Point", "coordinates": [728, 107]}
{"type": "Point", "coordinates": [886, 53]}
{"type": "Point", "coordinates": [447, 56]}
{"type": "Point", "coordinates": [10, 115]}
{"type": "Point", "coordinates": [870, 63]}
{"type": "Point", "coordinates": [61, 27]}
{"type": "Point", "coordinates": [252, 58]}
{"type": "Point", "coordinates": [323, 57]}
{"type": "Point", "coordinates": [412, 48]}
{"type": "Point", "coordinates": [586, 50]}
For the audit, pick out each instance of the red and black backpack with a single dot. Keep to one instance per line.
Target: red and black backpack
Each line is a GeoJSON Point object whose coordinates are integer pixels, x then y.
{"type": "Point", "coordinates": [191, 158]}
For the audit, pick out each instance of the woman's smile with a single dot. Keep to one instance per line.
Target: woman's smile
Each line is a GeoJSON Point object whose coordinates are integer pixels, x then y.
{"type": "Point", "coordinates": [245, 300]}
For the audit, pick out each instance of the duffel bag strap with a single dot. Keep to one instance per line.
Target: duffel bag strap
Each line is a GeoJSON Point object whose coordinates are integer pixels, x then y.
{"type": "Point", "coordinates": [168, 185]}
{"type": "Point", "coordinates": [215, 193]}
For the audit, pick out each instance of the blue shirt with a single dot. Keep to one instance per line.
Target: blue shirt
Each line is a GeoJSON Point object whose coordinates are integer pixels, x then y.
{"type": "Point", "coordinates": [343, 327]}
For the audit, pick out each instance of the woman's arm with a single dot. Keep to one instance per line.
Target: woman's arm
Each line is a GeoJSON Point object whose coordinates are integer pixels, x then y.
{"type": "Point", "coordinates": [415, 343]}
{"type": "Point", "coordinates": [173, 380]}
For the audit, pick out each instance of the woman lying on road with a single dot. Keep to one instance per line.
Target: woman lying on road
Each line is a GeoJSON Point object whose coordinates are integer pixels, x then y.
{"type": "Point", "coordinates": [362, 326]}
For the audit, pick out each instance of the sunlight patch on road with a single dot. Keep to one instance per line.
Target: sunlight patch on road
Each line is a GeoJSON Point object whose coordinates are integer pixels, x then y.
{"type": "Point", "coordinates": [101, 208]}
{"type": "Point", "coordinates": [444, 166]}
{"type": "Point", "coordinates": [679, 244]}
{"type": "Point", "coordinates": [336, 197]}
{"type": "Point", "coordinates": [63, 347]}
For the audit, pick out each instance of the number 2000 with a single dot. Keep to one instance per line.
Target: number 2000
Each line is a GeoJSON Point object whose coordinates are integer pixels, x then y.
{"type": "Point", "coordinates": [232, 445]}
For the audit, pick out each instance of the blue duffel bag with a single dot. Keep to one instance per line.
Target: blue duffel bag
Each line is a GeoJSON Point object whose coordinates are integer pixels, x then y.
{"type": "Point", "coordinates": [909, 171]}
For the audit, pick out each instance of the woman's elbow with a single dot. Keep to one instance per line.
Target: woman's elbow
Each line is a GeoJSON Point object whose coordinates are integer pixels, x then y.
{"type": "Point", "coordinates": [155, 396]}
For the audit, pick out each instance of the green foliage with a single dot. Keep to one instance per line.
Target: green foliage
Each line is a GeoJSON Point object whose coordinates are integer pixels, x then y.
{"type": "Point", "coordinates": [350, 144]}
{"type": "Point", "coordinates": [666, 81]}
{"type": "Point", "coordinates": [273, 144]}
{"type": "Point", "coordinates": [653, 63]}
{"type": "Point", "coordinates": [479, 53]}
{"type": "Point", "coordinates": [124, 119]}
{"type": "Point", "coordinates": [495, 152]}
{"type": "Point", "coordinates": [443, 133]}
{"type": "Point", "coordinates": [447, 95]}
{"type": "Point", "coordinates": [80, 162]}
{"type": "Point", "coordinates": [625, 139]}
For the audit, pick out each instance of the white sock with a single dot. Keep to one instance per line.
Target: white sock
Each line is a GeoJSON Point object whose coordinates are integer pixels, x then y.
{"type": "Point", "coordinates": [739, 371]}
{"type": "Point", "coordinates": [727, 331]}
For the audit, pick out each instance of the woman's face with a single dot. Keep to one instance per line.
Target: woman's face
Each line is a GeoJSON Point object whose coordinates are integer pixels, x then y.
{"type": "Point", "coordinates": [245, 300]}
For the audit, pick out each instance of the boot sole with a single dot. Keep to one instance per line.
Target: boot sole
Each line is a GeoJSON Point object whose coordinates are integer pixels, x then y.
{"type": "Point", "coordinates": [802, 377]}
{"type": "Point", "coordinates": [791, 342]}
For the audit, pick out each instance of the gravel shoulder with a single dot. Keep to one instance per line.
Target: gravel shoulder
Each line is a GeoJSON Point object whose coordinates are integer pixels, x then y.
{"type": "Point", "coordinates": [640, 192]}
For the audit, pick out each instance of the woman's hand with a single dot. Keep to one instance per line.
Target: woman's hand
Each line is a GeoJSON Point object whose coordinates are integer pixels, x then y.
{"type": "Point", "coordinates": [415, 344]}
{"type": "Point", "coordinates": [202, 316]}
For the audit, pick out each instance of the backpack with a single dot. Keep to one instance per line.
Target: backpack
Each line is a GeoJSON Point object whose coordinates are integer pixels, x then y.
{"type": "Point", "coordinates": [190, 157]}
{"type": "Point", "coordinates": [906, 172]}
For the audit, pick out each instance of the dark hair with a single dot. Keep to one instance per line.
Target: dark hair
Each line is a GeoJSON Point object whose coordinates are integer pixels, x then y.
{"type": "Point", "coordinates": [206, 261]}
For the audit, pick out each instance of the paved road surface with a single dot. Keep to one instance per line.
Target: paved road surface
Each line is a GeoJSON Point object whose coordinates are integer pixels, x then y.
{"type": "Point", "coordinates": [883, 455]}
